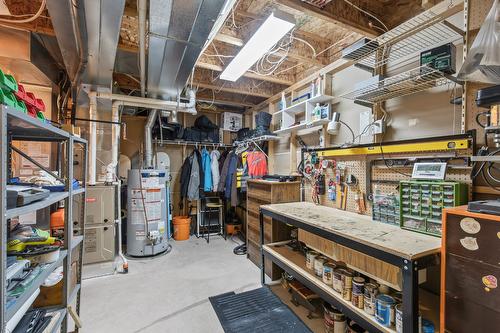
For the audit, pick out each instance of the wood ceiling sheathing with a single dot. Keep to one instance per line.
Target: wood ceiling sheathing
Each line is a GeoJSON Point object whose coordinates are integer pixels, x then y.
{"type": "Point", "coordinates": [312, 26]}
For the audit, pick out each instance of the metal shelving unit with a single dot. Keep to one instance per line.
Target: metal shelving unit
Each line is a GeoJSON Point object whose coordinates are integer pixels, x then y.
{"type": "Point", "coordinates": [422, 32]}
{"type": "Point", "coordinates": [15, 125]}
{"type": "Point", "coordinates": [406, 83]}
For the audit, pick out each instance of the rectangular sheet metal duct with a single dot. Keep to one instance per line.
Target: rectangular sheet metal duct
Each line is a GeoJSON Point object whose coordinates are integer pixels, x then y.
{"type": "Point", "coordinates": [103, 21]}
{"type": "Point", "coordinates": [178, 30]}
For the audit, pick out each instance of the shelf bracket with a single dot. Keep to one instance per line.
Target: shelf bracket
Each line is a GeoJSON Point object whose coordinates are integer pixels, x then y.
{"type": "Point", "coordinates": [36, 163]}
{"type": "Point", "coordinates": [363, 103]}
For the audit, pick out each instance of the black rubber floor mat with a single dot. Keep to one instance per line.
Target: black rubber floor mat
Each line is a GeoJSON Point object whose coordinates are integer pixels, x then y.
{"type": "Point", "coordinates": [256, 310]}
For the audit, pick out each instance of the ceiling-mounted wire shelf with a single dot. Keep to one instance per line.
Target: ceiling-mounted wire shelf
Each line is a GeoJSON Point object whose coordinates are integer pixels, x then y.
{"type": "Point", "coordinates": [422, 32]}
{"type": "Point", "coordinates": [406, 83]}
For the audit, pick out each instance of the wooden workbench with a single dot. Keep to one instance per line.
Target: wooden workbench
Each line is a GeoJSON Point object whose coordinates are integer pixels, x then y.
{"type": "Point", "coordinates": [406, 251]}
{"type": "Point", "coordinates": [360, 228]}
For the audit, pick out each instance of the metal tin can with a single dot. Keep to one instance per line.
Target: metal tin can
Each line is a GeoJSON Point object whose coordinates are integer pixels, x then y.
{"type": "Point", "coordinates": [353, 327]}
{"type": "Point", "coordinates": [399, 317]}
{"type": "Point", "coordinates": [328, 268]}
{"type": "Point", "coordinates": [346, 283]}
{"type": "Point", "coordinates": [370, 294]}
{"type": "Point", "coordinates": [335, 321]}
{"type": "Point", "coordinates": [385, 310]}
{"type": "Point", "coordinates": [337, 280]}
{"type": "Point", "coordinates": [318, 265]}
{"type": "Point", "coordinates": [310, 256]}
{"type": "Point", "coordinates": [357, 299]}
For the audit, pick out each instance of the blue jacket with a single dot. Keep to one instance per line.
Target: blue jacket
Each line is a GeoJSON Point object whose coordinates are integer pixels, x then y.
{"type": "Point", "coordinates": [207, 170]}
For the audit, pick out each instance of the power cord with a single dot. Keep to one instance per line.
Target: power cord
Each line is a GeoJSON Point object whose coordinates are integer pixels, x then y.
{"type": "Point", "coordinates": [241, 249]}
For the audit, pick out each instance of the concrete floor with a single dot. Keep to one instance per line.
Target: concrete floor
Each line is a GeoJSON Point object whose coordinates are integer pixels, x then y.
{"type": "Point", "coordinates": [169, 293]}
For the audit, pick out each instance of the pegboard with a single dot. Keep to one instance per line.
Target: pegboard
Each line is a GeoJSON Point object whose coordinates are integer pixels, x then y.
{"type": "Point", "coordinates": [353, 166]}
{"type": "Point", "coordinates": [386, 179]}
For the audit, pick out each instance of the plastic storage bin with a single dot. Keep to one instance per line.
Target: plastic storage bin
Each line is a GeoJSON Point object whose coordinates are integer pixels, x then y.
{"type": "Point", "coordinates": [422, 203]}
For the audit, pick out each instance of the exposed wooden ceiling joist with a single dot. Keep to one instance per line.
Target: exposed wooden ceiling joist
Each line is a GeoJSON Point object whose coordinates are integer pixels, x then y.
{"type": "Point", "coordinates": [337, 12]}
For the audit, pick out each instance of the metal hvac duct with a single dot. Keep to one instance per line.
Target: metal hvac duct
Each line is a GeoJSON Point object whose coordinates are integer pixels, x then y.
{"type": "Point", "coordinates": [103, 21]}
{"type": "Point", "coordinates": [178, 31]}
{"type": "Point", "coordinates": [65, 18]}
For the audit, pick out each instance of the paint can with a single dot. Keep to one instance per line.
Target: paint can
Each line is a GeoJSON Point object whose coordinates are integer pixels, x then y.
{"type": "Point", "coordinates": [318, 265]}
{"type": "Point", "coordinates": [371, 291]}
{"type": "Point", "coordinates": [335, 321]}
{"type": "Point", "coordinates": [346, 284]}
{"type": "Point", "coordinates": [353, 327]}
{"type": "Point", "coordinates": [385, 310]}
{"type": "Point", "coordinates": [427, 326]}
{"type": "Point", "coordinates": [399, 317]}
{"type": "Point", "coordinates": [358, 286]}
{"type": "Point", "coordinates": [328, 268]}
{"type": "Point", "coordinates": [337, 280]}
{"type": "Point", "coordinates": [310, 256]}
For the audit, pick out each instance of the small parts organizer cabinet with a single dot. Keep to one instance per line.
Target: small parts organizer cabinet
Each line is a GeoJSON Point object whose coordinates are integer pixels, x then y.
{"type": "Point", "coordinates": [261, 192]}
{"type": "Point", "coordinates": [422, 203]}
{"type": "Point", "coordinates": [470, 269]}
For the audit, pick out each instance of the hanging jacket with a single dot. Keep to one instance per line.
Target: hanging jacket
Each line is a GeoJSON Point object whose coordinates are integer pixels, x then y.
{"type": "Point", "coordinates": [234, 190]}
{"type": "Point", "coordinates": [222, 159]}
{"type": "Point", "coordinates": [223, 173]}
{"type": "Point", "coordinates": [231, 175]}
{"type": "Point", "coordinates": [207, 170]}
{"type": "Point", "coordinates": [193, 192]}
{"type": "Point", "coordinates": [214, 165]}
{"type": "Point", "coordinates": [185, 177]}
{"type": "Point", "coordinates": [202, 175]}
{"type": "Point", "coordinates": [257, 164]}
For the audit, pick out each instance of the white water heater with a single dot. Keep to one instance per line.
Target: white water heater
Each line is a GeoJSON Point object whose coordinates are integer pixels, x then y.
{"type": "Point", "coordinates": [147, 212]}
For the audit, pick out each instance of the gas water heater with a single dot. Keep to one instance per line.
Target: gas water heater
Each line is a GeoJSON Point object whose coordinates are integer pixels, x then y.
{"type": "Point", "coordinates": [147, 216]}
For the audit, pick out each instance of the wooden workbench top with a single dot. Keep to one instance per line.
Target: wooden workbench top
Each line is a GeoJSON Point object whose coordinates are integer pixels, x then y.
{"type": "Point", "coordinates": [360, 228]}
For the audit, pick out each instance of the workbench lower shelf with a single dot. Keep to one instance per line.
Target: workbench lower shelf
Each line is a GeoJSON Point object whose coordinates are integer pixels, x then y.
{"type": "Point", "coordinates": [294, 263]}
{"type": "Point", "coordinates": [316, 325]}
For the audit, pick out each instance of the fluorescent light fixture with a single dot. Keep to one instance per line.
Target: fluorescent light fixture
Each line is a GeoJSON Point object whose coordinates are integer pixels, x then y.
{"type": "Point", "coordinates": [277, 25]}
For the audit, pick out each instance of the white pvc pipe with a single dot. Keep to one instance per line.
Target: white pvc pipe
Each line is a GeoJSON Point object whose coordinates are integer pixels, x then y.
{"type": "Point", "coordinates": [152, 103]}
{"type": "Point", "coordinates": [92, 163]}
{"type": "Point", "coordinates": [148, 139]}
{"type": "Point", "coordinates": [142, 9]}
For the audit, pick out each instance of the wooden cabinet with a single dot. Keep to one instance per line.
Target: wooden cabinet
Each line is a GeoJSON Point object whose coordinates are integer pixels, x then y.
{"type": "Point", "coordinates": [470, 269]}
{"type": "Point", "coordinates": [261, 192]}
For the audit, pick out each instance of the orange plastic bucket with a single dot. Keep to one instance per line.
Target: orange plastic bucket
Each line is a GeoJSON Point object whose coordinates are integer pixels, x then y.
{"type": "Point", "coordinates": [181, 227]}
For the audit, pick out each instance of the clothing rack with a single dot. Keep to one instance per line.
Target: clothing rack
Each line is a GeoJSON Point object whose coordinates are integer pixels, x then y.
{"type": "Point", "coordinates": [255, 141]}
{"type": "Point", "coordinates": [191, 143]}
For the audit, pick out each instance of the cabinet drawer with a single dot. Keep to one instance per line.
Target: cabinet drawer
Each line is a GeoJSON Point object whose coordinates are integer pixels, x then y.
{"type": "Point", "coordinates": [463, 316]}
{"type": "Point", "coordinates": [462, 235]}
{"type": "Point", "coordinates": [261, 192]}
{"type": "Point", "coordinates": [253, 232]}
{"type": "Point", "coordinates": [253, 253]}
{"type": "Point", "coordinates": [472, 281]}
{"type": "Point", "coordinates": [253, 219]}
{"type": "Point", "coordinates": [254, 206]}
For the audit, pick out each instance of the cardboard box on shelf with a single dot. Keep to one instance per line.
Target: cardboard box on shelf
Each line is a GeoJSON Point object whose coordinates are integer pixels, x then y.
{"type": "Point", "coordinates": [232, 121]}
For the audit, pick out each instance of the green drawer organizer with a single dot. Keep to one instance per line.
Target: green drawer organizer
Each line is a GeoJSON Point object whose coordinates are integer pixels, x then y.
{"type": "Point", "coordinates": [421, 203]}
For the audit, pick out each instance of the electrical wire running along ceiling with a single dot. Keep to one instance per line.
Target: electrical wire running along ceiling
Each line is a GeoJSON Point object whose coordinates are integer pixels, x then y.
{"type": "Point", "coordinates": [178, 30]}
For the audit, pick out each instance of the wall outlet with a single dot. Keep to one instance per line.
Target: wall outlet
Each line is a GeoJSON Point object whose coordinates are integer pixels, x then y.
{"type": "Point", "coordinates": [378, 127]}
